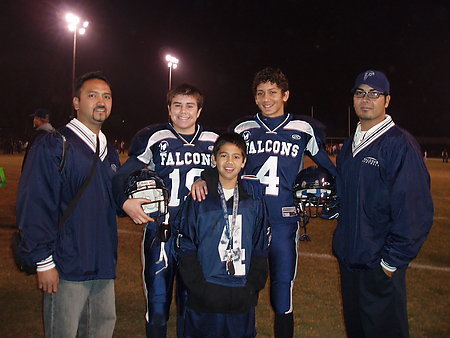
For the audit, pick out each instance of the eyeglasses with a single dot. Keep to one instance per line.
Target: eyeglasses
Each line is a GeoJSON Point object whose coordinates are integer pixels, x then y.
{"type": "Point", "coordinates": [373, 94]}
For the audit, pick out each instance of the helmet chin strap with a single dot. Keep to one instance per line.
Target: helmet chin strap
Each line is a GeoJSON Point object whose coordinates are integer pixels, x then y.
{"type": "Point", "coordinates": [162, 258]}
{"type": "Point", "coordinates": [166, 218]}
{"type": "Point", "coordinates": [162, 252]}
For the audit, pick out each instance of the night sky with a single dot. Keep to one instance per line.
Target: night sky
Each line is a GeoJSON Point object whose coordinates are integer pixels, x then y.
{"type": "Point", "coordinates": [320, 45]}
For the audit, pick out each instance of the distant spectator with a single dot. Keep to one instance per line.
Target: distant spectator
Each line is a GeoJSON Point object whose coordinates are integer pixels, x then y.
{"type": "Point", "coordinates": [41, 122]}
{"type": "Point", "coordinates": [122, 147]}
{"type": "Point", "coordinates": [444, 156]}
{"type": "Point", "coordinates": [10, 146]}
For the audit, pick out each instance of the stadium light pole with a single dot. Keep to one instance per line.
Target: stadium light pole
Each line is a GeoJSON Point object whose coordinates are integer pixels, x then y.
{"type": "Point", "coordinates": [172, 63]}
{"type": "Point", "coordinates": [73, 24]}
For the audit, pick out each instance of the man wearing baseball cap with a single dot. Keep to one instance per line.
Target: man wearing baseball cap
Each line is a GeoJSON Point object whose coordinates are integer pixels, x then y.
{"type": "Point", "coordinates": [41, 120]}
{"type": "Point", "coordinates": [386, 214]}
{"type": "Point", "coordinates": [42, 125]}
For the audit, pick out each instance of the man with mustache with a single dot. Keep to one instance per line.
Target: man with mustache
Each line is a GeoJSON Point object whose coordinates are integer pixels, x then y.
{"type": "Point", "coordinates": [386, 214]}
{"type": "Point", "coordinates": [75, 260]}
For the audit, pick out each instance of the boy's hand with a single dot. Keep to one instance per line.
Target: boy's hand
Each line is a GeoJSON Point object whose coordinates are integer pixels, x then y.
{"type": "Point", "coordinates": [199, 190]}
{"type": "Point", "coordinates": [133, 208]}
{"type": "Point", "coordinates": [387, 272]}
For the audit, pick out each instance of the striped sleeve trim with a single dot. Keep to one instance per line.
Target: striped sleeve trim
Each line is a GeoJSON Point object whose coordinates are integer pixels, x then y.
{"type": "Point", "coordinates": [147, 156]}
{"type": "Point", "coordinates": [45, 264]}
{"type": "Point", "coordinates": [385, 265]}
{"type": "Point", "coordinates": [305, 127]}
{"type": "Point", "coordinates": [208, 136]}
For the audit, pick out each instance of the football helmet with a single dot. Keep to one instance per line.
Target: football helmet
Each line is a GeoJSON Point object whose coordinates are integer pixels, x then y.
{"type": "Point", "coordinates": [315, 192]}
{"type": "Point", "coordinates": [315, 196]}
{"type": "Point", "coordinates": [147, 184]}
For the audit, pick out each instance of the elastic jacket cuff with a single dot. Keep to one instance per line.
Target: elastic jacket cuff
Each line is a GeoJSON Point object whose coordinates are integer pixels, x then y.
{"type": "Point", "coordinates": [386, 266]}
{"type": "Point", "coordinates": [45, 264]}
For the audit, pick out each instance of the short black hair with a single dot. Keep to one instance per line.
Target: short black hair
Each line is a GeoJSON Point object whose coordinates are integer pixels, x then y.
{"type": "Point", "coordinates": [233, 138]}
{"type": "Point", "coordinates": [272, 75]}
{"type": "Point", "coordinates": [186, 89]}
{"type": "Point", "coordinates": [89, 76]}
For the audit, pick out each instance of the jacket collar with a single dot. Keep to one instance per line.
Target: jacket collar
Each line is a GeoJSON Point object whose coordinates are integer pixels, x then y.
{"type": "Point", "coordinates": [371, 135]}
{"type": "Point", "coordinates": [89, 137]}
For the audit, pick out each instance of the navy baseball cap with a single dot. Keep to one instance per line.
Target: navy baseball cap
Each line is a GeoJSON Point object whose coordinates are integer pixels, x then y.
{"type": "Point", "coordinates": [41, 112]}
{"type": "Point", "coordinates": [373, 78]}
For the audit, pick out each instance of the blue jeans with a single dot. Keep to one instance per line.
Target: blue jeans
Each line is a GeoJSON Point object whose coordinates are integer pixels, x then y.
{"type": "Point", "coordinates": [86, 307]}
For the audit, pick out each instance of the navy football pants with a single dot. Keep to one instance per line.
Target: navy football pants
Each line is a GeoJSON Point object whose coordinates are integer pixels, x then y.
{"type": "Point", "coordinates": [283, 255]}
{"type": "Point", "coordinates": [160, 269]}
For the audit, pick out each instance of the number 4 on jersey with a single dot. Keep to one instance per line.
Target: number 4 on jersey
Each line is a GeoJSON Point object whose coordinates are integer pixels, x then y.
{"type": "Point", "coordinates": [267, 175]}
{"type": "Point", "coordinates": [238, 262]}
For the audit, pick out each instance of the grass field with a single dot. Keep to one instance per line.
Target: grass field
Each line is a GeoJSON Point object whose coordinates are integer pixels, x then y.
{"type": "Point", "coordinates": [316, 294]}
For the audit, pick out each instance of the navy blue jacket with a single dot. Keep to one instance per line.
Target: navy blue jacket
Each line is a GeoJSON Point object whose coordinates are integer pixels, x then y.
{"type": "Point", "coordinates": [86, 246]}
{"type": "Point", "coordinates": [202, 243]}
{"type": "Point", "coordinates": [387, 209]}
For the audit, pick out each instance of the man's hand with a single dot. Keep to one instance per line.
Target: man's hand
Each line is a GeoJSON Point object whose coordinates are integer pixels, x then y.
{"type": "Point", "coordinates": [48, 280]}
{"type": "Point", "coordinates": [133, 208]}
{"type": "Point", "coordinates": [387, 272]}
{"type": "Point", "coordinates": [199, 190]}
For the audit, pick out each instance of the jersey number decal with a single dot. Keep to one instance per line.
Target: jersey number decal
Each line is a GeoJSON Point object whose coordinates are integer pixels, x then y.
{"type": "Point", "coordinates": [175, 177]}
{"type": "Point", "coordinates": [239, 253]}
{"type": "Point", "coordinates": [267, 175]}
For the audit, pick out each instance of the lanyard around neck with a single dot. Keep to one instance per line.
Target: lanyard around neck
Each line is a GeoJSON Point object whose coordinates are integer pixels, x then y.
{"type": "Point", "coordinates": [229, 229]}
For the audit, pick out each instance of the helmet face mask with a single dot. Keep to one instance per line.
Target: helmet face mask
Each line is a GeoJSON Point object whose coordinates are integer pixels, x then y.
{"type": "Point", "coordinates": [147, 184]}
{"type": "Point", "coordinates": [314, 191]}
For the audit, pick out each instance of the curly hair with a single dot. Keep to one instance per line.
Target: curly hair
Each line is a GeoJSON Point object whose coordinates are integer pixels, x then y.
{"type": "Point", "coordinates": [270, 75]}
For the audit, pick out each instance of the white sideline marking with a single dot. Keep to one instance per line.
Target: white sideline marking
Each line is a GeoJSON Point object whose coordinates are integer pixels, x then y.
{"type": "Point", "coordinates": [441, 197]}
{"type": "Point", "coordinates": [412, 265]}
{"type": "Point", "coordinates": [428, 267]}
{"type": "Point", "coordinates": [329, 257]}
{"type": "Point", "coordinates": [130, 232]}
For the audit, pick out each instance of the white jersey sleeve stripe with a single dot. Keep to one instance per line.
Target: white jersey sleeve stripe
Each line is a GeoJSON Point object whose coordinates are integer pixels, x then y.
{"type": "Point", "coordinates": [208, 136]}
{"type": "Point", "coordinates": [305, 127]}
{"type": "Point", "coordinates": [245, 126]}
{"type": "Point", "coordinates": [147, 156]}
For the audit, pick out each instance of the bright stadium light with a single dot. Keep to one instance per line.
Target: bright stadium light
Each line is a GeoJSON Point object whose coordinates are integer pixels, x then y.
{"type": "Point", "coordinates": [172, 63]}
{"type": "Point", "coordinates": [73, 22]}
